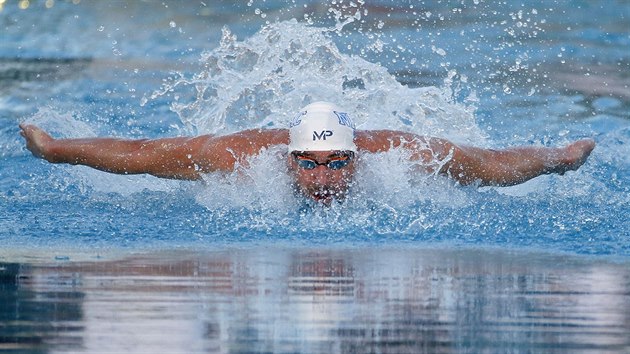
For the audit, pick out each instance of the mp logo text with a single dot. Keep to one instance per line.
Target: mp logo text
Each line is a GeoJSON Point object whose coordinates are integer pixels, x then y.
{"type": "Point", "coordinates": [322, 135]}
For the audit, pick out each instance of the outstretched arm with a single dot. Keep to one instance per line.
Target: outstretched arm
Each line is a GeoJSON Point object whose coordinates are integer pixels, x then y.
{"type": "Point", "coordinates": [179, 158]}
{"type": "Point", "coordinates": [469, 165]}
{"type": "Point", "coordinates": [511, 166]}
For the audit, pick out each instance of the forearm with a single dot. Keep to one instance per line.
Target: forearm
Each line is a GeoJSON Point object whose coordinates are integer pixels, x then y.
{"type": "Point", "coordinates": [515, 165]}
{"type": "Point", "coordinates": [506, 167]}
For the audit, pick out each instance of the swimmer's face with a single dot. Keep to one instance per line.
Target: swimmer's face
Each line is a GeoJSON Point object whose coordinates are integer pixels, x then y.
{"type": "Point", "coordinates": [322, 175]}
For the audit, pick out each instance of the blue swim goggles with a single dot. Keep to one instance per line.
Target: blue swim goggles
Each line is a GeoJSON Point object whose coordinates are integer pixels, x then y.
{"type": "Point", "coordinates": [340, 161]}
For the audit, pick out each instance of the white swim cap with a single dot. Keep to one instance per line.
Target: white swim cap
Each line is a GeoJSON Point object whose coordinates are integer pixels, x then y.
{"type": "Point", "coordinates": [321, 126]}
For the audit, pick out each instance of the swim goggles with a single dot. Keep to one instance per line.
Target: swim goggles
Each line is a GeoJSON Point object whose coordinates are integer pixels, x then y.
{"type": "Point", "coordinates": [335, 163]}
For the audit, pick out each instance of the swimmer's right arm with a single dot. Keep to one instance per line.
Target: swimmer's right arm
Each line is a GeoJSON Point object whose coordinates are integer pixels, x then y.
{"type": "Point", "coordinates": [169, 158]}
{"type": "Point", "coordinates": [177, 158]}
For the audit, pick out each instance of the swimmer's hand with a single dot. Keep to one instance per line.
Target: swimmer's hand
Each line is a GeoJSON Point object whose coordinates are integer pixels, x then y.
{"type": "Point", "coordinates": [572, 156]}
{"type": "Point", "coordinates": [37, 141]}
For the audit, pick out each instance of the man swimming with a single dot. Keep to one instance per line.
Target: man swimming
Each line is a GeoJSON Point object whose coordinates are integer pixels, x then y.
{"type": "Point", "coordinates": [323, 147]}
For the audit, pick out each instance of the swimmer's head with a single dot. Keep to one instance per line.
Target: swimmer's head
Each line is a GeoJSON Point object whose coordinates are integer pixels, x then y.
{"type": "Point", "coordinates": [321, 126]}
{"type": "Point", "coordinates": [322, 152]}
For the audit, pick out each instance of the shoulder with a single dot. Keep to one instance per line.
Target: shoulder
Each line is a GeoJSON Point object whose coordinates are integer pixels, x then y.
{"type": "Point", "coordinates": [384, 140]}
{"type": "Point", "coordinates": [421, 148]}
{"type": "Point", "coordinates": [222, 152]}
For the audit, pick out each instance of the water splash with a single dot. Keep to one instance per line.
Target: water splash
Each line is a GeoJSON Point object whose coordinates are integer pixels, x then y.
{"type": "Point", "coordinates": [263, 80]}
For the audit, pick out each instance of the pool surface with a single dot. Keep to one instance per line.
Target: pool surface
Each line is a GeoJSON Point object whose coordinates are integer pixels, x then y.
{"type": "Point", "coordinates": [95, 262]}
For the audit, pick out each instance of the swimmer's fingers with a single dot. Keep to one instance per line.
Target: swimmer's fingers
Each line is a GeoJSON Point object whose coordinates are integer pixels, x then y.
{"type": "Point", "coordinates": [580, 151]}
{"type": "Point", "coordinates": [575, 155]}
{"type": "Point", "coordinates": [22, 129]}
{"type": "Point", "coordinates": [32, 132]}
{"type": "Point", "coordinates": [28, 130]}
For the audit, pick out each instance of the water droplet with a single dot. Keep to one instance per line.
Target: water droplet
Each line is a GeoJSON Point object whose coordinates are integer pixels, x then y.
{"type": "Point", "coordinates": [101, 28]}
{"type": "Point", "coordinates": [438, 51]}
{"type": "Point", "coordinates": [172, 24]}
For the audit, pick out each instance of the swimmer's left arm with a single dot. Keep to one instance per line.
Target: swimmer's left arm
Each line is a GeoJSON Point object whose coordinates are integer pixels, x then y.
{"type": "Point", "coordinates": [472, 165]}
{"type": "Point", "coordinates": [488, 167]}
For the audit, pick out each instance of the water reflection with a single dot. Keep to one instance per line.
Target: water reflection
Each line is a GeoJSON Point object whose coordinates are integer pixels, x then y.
{"type": "Point", "coordinates": [317, 301]}
{"type": "Point", "coordinates": [38, 319]}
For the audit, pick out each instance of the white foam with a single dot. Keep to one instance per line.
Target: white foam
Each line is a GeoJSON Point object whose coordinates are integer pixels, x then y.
{"type": "Point", "coordinates": [262, 80]}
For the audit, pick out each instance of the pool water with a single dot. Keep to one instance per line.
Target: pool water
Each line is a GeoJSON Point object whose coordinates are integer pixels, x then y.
{"type": "Point", "coordinates": [94, 262]}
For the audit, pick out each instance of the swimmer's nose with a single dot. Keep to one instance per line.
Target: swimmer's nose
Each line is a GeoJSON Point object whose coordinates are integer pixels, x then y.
{"type": "Point", "coordinates": [321, 174]}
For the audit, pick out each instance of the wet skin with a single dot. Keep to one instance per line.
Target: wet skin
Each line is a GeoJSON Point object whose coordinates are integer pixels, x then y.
{"type": "Point", "coordinates": [322, 184]}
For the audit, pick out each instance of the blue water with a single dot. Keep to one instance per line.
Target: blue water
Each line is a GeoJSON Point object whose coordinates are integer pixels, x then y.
{"type": "Point", "coordinates": [476, 72]}
{"type": "Point", "coordinates": [502, 75]}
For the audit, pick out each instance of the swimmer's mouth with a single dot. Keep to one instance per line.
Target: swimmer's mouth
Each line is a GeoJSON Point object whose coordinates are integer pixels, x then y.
{"type": "Point", "coordinates": [325, 197]}
{"type": "Point", "coordinates": [319, 197]}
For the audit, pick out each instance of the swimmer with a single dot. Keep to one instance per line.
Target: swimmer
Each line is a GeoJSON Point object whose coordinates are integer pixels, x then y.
{"type": "Point", "coordinates": [323, 147]}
